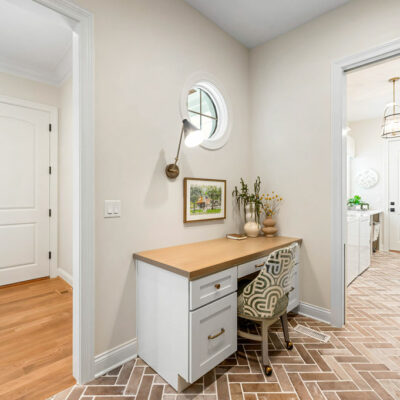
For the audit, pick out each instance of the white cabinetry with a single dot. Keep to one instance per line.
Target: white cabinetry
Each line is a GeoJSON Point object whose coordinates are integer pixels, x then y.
{"type": "Point", "coordinates": [365, 243]}
{"type": "Point", "coordinates": [212, 335]}
{"type": "Point", "coordinates": [352, 249]}
{"type": "Point", "coordinates": [358, 246]}
{"type": "Point", "coordinates": [187, 327]}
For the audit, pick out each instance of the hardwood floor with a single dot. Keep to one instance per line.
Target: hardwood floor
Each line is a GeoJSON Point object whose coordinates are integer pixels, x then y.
{"type": "Point", "coordinates": [35, 339]}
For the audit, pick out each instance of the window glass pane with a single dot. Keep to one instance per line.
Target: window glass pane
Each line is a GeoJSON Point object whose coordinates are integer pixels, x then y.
{"type": "Point", "coordinates": [208, 126]}
{"type": "Point", "coordinates": [195, 119]}
{"type": "Point", "coordinates": [194, 100]}
{"type": "Point", "coordinates": [207, 105]}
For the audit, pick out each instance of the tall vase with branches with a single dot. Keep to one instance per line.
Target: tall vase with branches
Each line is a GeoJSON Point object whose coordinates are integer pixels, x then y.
{"type": "Point", "coordinates": [250, 203]}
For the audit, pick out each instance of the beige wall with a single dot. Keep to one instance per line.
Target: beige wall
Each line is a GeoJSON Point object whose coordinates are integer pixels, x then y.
{"type": "Point", "coordinates": [65, 155]}
{"type": "Point", "coordinates": [291, 123]}
{"type": "Point", "coordinates": [26, 89]}
{"type": "Point", "coordinates": [145, 51]}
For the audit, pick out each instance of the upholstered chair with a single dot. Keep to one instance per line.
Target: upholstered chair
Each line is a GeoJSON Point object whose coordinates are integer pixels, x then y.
{"type": "Point", "coordinates": [265, 299]}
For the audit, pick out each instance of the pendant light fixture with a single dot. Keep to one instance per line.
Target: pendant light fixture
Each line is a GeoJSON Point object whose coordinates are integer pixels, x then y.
{"type": "Point", "coordinates": [391, 116]}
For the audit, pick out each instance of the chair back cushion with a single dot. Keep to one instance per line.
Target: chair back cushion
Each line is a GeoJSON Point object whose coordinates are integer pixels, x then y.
{"type": "Point", "coordinates": [266, 295]}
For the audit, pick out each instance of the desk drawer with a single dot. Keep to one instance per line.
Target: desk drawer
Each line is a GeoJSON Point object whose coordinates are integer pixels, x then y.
{"type": "Point", "coordinates": [212, 287]}
{"type": "Point", "coordinates": [251, 267]}
{"type": "Point", "coordinates": [294, 295]}
{"type": "Point", "coordinates": [213, 335]}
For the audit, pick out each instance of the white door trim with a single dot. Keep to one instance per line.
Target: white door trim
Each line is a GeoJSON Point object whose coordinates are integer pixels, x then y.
{"type": "Point", "coordinates": [83, 186]}
{"type": "Point", "coordinates": [338, 152]}
{"type": "Point", "coordinates": [53, 204]}
{"type": "Point", "coordinates": [386, 217]}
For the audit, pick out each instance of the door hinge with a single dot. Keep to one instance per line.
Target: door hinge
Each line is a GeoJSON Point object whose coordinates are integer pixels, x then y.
{"type": "Point", "coordinates": [49, 212]}
{"type": "Point", "coordinates": [49, 127]}
{"type": "Point", "coordinates": [49, 255]}
{"type": "Point", "coordinates": [50, 170]}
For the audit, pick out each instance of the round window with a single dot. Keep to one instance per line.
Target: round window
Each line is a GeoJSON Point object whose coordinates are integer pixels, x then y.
{"type": "Point", "coordinates": [205, 107]}
{"type": "Point", "coordinates": [202, 111]}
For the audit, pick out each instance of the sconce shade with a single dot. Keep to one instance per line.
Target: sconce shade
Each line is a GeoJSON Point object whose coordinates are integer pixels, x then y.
{"type": "Point", "coordinates": [193, 135]}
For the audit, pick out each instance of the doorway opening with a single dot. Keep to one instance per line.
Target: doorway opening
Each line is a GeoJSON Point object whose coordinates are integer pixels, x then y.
{"type": "Point", "coordinates": [360, 171]}
{"type": "Point", "coordinates": [372, 184]}
{"type": "Point", "coordinates": [46, 205]}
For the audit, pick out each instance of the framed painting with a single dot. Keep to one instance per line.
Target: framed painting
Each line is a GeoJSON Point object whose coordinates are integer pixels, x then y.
{"type": "Point", "coordinates": [204, 199]}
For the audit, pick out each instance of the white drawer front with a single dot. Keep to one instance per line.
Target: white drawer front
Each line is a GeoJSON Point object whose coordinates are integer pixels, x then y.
{"type": "Point", "coordinates": [212, 287]}
{"type": "Point", "coordinates": [251, 267]}
{"type": "Point", "coordinates": [213, 335]}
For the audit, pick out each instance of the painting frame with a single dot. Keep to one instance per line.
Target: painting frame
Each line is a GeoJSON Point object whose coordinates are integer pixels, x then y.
{"type": "Point", "coordinates": [206, 212]}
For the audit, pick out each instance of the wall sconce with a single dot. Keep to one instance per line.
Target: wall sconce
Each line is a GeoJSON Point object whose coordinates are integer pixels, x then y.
{"type": "Point", "coordinates": [193, 137]}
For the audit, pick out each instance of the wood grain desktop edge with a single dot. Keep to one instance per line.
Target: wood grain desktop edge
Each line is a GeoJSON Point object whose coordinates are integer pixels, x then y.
{"type": "Point", "coordinates": [213, 267]}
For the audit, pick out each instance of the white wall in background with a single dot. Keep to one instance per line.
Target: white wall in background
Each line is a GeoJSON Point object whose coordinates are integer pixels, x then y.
{"type": "Point", "coordinates": [369, 154]}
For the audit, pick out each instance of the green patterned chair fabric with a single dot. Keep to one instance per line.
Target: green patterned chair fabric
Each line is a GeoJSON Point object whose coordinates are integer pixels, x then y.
{"type": "Point", "coordinates": [267, 294]}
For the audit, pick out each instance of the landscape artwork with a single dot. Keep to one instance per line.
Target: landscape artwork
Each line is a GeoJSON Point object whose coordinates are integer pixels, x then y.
{"type": "Point", "coordinates": [204, 199]}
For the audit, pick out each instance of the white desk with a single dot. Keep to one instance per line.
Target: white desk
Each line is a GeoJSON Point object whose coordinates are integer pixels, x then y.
{"type": "Point", "coordinates": [187, 303]}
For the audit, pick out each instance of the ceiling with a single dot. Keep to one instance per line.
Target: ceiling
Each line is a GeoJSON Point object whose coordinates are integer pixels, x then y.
{"type": "Point", "coordinates": [253, 22]}
{"type": "Point", "coordinates": [35, 42]}
{"type": "Point", "coordinates": [368, 90]}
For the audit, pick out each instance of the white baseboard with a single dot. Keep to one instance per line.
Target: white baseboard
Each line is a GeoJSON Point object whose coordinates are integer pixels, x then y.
{"type": "Point", "coordinates": [65, 275]}
{"type": "Point", "coordinates": [315, 312]}
{"type": "Point", "coordinates": [115, 357]}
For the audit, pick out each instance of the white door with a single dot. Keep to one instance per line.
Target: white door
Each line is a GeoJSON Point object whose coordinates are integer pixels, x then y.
{"type": "Point", "coordinates": [24, 193]}
{"type": "Point", "coordinates": [394, 195]}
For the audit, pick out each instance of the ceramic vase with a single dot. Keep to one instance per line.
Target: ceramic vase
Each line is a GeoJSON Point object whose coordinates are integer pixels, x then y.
{"type": "Point", "coordinates": [269, 226]}
{"type": "Point", "coordinates": [251, 227]}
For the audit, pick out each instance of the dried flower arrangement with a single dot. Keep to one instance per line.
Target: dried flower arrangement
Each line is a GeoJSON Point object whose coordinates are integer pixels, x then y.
{"type": "Point", "coordinates": [271, 203]}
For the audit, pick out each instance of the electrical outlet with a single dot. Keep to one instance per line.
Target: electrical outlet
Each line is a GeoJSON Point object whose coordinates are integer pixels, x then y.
{"type": "Point", "coordinates": [112, 208]}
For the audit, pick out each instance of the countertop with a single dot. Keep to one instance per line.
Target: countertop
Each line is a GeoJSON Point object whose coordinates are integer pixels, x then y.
{"type": "Point", "coordinates": [199, 259]}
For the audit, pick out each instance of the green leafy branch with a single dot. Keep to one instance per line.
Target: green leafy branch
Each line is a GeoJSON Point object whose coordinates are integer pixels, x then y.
{"type": "Point", "coordinates": [243, 197]}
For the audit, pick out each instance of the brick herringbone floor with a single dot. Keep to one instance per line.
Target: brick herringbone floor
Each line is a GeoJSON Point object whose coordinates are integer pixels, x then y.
{"type": "Point", "coordinates": [361, 361]}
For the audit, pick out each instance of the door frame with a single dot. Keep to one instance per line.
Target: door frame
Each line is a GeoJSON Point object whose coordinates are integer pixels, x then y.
{"type": "Point", "coordinates": [81, 22]}
{"type": "Point", "coordinates": [338, 168]}
{"type": "Point", "coordinates": [386, 187]}
{"type": "Point", "coordinates": [53, 177]}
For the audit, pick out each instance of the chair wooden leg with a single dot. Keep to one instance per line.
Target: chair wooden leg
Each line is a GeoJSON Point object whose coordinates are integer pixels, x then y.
{"type": "Point", "coordinates": [264, 345]}
{"type": "Point", "coordinates": [285, 328]}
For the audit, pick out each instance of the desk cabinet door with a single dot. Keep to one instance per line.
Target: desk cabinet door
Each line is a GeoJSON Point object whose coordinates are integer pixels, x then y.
{"type": "Point", "coordinates": [213, 335]}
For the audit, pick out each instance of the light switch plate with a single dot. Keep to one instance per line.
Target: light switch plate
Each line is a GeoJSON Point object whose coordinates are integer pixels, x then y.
{"type": "Point", "coordinates": [112, 208]}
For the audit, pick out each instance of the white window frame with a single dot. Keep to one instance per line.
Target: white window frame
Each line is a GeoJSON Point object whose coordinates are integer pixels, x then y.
{"type": "Point", "coordinates": [210, 85]}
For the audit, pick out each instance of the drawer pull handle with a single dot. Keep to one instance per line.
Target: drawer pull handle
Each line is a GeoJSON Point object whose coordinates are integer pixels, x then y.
{"type": "Point", "coordinates": [210, 337]}
{"type": "Point", "coordinates": [260, 265]}
{"type": "Point", "coordinates": [217, 286]}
